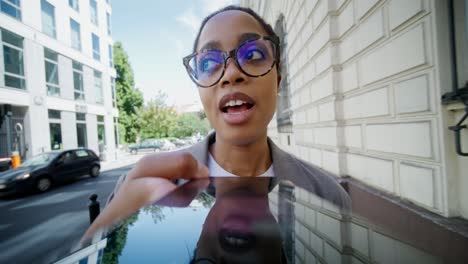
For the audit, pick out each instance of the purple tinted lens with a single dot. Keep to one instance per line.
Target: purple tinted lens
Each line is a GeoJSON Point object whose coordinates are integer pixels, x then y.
{"type": "Point", "coordinates": [256, 57]}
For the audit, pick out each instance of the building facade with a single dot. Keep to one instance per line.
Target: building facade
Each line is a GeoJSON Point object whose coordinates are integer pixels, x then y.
{"type": "Point", "coordinates": [57, 84]}
{"type": "Point", "coordinates": [370, 89]}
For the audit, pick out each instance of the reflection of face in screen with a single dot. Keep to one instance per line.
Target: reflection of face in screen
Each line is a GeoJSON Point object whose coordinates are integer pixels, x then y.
{"type": "Point", "coordinates": [240, 227]}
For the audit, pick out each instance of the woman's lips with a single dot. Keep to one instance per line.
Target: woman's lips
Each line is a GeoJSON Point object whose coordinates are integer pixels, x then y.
{"type": "Point", "coordinates": [238, 117]}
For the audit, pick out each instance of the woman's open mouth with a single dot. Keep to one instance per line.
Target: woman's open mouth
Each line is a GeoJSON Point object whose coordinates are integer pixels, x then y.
{"type": "Point", "coordinates": [236, 108]}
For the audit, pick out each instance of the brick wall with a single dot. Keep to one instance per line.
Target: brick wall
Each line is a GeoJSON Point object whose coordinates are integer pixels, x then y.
{"type": "Point", "coordinates": [364, 77]}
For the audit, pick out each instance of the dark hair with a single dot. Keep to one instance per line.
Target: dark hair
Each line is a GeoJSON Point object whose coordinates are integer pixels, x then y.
{"type": "Point", "coordinates": [267, 27]}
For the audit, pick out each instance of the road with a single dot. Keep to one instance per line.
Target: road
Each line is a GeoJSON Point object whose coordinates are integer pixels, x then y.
{"type": "Point", "coordinates": [42, 228]}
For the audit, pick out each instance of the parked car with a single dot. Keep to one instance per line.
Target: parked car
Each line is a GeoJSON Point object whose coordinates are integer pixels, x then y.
{"type": "Point", "coordinates": [177, 142]}
{"type": "Point", "coordinates": [167, 145]}
{"type": "Point", "coordinates": [5, 163]}
{"type": "Point", "coordinates": [145, 145]}
{"type": "Point", "coordinates": [43, 171]}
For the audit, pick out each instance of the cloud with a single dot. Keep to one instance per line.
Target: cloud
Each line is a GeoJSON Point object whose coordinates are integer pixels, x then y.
{"type": "Point", "coordinates": [189, 19]}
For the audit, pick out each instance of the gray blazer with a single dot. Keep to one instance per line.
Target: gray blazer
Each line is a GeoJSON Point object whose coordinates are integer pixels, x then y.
{"type": "Point", "coordinates": [286, 167]}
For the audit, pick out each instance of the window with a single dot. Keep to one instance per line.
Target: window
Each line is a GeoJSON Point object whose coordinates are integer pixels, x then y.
{"type": "Point", "coordinates": [11, 8]}
{"type": "Point", "coordinates": [48, 18]}
{"type": "Point", "coordinates": [78, 81]}
{"type": "Point", "coordinates": [74, 4]}
{"type": "Point", "coordinates": [13, 60]}
{"type": "Point", "coordinates": [81, 153]}
{"type": "Point", "coordinates": [94, 11]}
{"type": "Point", "coordinates": [98, 87]}
{"type": "Point", "coordinates": [55, 130]}
{"type": "Point", "coordinates": [51, 72]}
{"type": "Point", "coordinates": [461, 41]}
{"type": "Point", "coordinates": [96, 49]}
{"type": "Point", "coordinates": [111, 57]}
{"type": "Point", "coordinates": [108, 19]}
{"type": "Point", "coordinates": [283, 110]}
{"type": "Point", "coordinates": [81, 130]}
{"type": "Point", "coordinates": [114, 99]}
{"type": "Point", "coordinates": [101, 130]}
{"type": "Point", "coordinates": [75, 35]}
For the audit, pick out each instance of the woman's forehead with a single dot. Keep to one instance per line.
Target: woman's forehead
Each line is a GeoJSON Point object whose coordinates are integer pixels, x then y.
{"type": "Point", "coordinates": [228, 27]}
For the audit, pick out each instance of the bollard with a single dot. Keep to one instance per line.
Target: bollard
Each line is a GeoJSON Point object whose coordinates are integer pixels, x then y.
{"type": "Point", "coordinates": [93, 207]}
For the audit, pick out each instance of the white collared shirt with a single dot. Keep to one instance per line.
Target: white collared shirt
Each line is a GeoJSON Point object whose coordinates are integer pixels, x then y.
{"type": "Point", "coordinates": [217, 171]}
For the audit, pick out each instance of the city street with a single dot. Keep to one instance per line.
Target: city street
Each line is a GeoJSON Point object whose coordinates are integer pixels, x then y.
{"type": "Point", "coordinates": [42, 228]}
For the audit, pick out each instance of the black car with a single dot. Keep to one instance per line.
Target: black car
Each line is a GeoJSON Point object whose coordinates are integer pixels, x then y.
{"type": "Point", "coordinates": [43, 171]}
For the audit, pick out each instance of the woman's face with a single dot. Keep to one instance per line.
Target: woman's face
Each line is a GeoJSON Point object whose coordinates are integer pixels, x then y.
{"type": "Point", "coordinates": [247, 123]}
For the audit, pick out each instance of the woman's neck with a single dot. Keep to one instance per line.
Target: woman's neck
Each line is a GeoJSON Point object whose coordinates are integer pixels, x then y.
{"type": "Point", "coordinates": [243, 160]}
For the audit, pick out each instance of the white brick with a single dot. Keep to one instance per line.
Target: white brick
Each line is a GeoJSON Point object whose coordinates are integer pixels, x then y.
{"type": "Point", "coordinates": [410, 183]}
{"type": "Point", "coordinates": [374, 103]}
{"type": "Point", "coordinates": [309, 257]}
{"type": "Point", "coordinates": [360, 239]}
{"type": "Point", "coordinates": [315, 157]}
{"type": "Point", "coordinates": [363, 6]}
{"type": "Point", "coordinates": [405, 52]}
{"type": "Point", "coordinates": [316, 243]}
{"type": "Point", "coordinates": [300, 250]}
{"type": "Point", "coordinates": [401, 10]}
{"type": "Point", "coordinates": [309, 6]}
{"type": "Point", "coordinates": [319, 39]}
{"type": "Point", "coordinates": [330, 161]}
{"type": "Point", "coordinates": [373, 171]}
{"type": "Point", "coordinates": [407, 138]}
{"type": "Point", "coordinates": [309, 72]}
{"type": "Point", "coordinates": [323, 60]}
{"type": "Point", "coordinates": [345, 20]}
{"type": "Point", "coordinates": [367, 33]}
{"type": "Point", "coordinates": [370, 31]}
{"type": "Point", "coordinates": [330, 227]}
{"type": "Point", "coordinates": [322, 87]}
{"type": "Point", "coordinates": [332, 255]}
{"type": "Point", "coordinates": [308, 136]}
{"type": "Point", "coordinates": [348, 77]}
{"type": "Point", "coordinates": [325, 136]}
{"type": "Point", "coordinates": [352, 135]}
{"type": "Point", "coordinates": [321, 11]}
{"type": "Point", "coordinates": [310, 217]}
{"type": "Point", "coordinates": [412, 95]}
{"type": "Point", "coordinates": [312, 115]}
{"type": "Point", "coordinates": [299, 211]}
{"type": "Point", "coordinates": [327, 111]}
{"type": "Point", "coordinates": [384, 249]}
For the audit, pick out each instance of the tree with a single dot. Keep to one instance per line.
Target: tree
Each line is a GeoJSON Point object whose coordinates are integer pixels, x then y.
{"type": "Point", "coordinates": [129, 99]}
{"type": "Point", "coordinates": [189, 124]}
{"type": "Point", "coordinates": [156, 119]}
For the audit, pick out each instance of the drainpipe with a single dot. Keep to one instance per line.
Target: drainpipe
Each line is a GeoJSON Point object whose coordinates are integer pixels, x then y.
{"type": "Point", "coordinates": [457, 94]}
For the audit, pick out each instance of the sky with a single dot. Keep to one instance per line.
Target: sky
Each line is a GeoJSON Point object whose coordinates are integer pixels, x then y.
{"type": "Point", "coordinates": [156, 35]}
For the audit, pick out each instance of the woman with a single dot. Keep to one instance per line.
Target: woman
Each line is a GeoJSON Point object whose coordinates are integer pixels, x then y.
{"type": "Point", "coordinates": [235, 65]}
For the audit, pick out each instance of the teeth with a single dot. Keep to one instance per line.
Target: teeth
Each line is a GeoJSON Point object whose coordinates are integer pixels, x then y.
{"type": "Point", "coordinates": [234, 103]}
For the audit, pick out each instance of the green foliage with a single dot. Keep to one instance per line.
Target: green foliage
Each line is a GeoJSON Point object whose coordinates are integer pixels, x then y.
{"type": "Point", "coordinates": [156, 212]}
{"type": "Point", "coordinates": [116, 241]}
{"type": "Point", "coordinates": [129, 99]}
{"type": "Point", "coordinates": [189, 124]}
{"type": "Point", "coordinates": [157, 120]}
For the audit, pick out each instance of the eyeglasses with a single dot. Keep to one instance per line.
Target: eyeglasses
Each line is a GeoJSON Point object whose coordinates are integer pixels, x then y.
{"type": "Point", "coordinates": [254, 57]}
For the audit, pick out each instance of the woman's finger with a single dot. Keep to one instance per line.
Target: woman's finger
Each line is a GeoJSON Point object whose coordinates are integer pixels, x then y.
{"type": "Point", "coordinates": [170, 165]}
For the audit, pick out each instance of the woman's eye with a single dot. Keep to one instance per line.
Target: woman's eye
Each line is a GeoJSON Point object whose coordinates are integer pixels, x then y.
{"type": "Point", "coordinates": [254, 55]}
{"type": "Point", "coordinates": [208, 65]}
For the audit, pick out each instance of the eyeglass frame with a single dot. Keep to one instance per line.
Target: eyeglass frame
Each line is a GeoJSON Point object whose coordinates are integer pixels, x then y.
{"type": "Point", "coordinates": [233, 54]}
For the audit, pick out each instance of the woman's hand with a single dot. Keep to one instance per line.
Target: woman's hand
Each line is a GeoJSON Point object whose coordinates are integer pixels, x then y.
{"type": "Point", "coordinates": [149, 181]}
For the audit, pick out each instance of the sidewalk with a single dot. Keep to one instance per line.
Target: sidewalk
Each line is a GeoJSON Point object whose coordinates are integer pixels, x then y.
{"type": "Point", "coordinates": [123, 159]}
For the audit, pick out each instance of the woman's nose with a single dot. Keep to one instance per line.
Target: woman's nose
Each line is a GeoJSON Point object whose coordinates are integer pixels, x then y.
{"type": "Point", "coordinates": [232, 74]}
